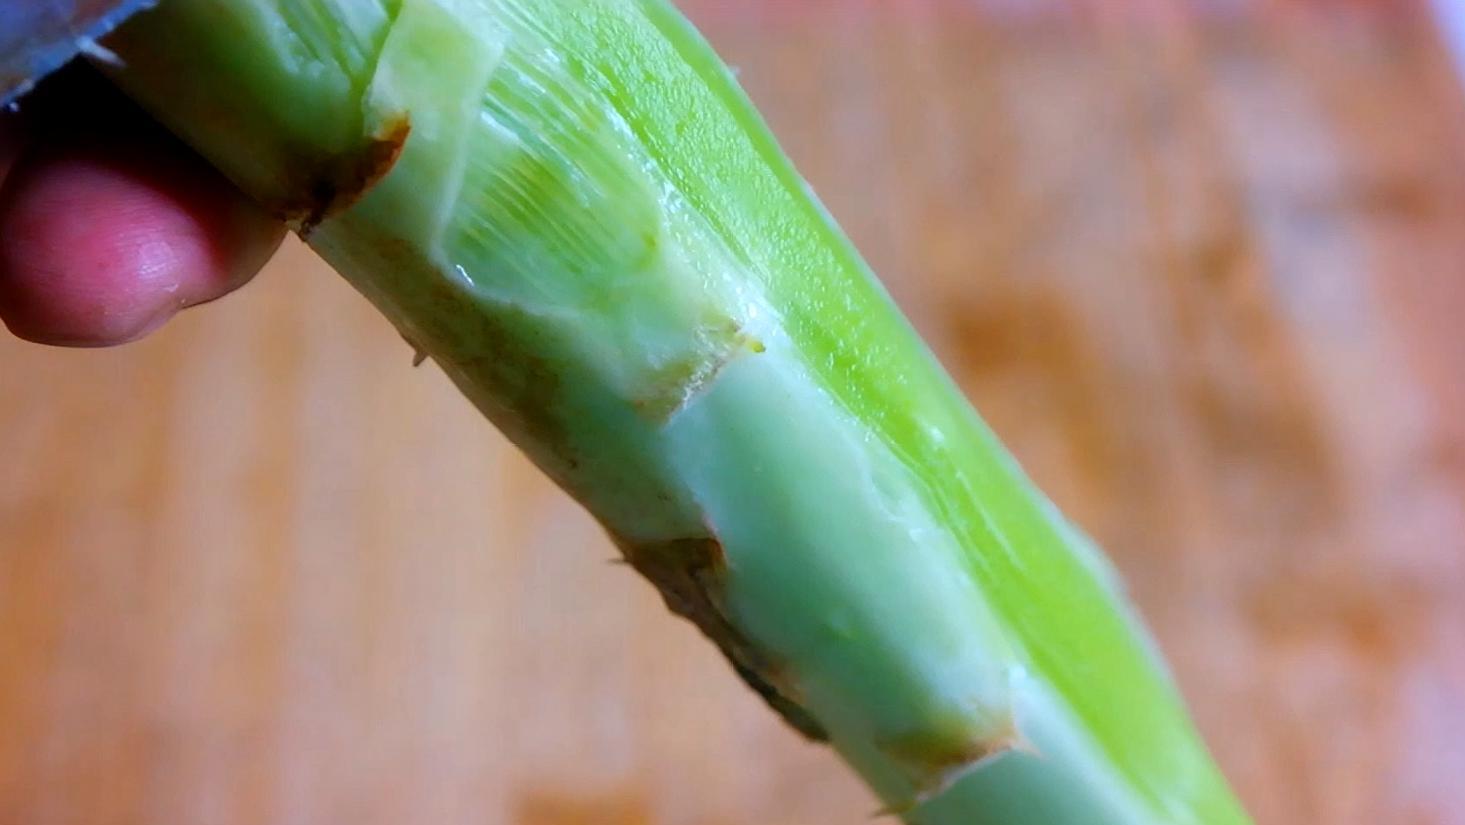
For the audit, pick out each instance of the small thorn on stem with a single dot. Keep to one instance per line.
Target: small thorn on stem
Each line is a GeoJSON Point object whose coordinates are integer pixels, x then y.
{"type": "Point", "coordinates": [418, 353]}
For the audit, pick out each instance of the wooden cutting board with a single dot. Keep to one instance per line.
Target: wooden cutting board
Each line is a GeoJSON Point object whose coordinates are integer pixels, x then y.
{"type": "Point", "coordinates": [1201, 264]}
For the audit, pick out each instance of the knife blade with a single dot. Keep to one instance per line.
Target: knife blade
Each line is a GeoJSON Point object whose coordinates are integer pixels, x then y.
{"type": "Point", "coordinates": [38, 37]}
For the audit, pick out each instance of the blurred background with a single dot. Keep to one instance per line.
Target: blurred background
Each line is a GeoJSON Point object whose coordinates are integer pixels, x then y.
{"type": "Point", "coordinates": [1200, 262]}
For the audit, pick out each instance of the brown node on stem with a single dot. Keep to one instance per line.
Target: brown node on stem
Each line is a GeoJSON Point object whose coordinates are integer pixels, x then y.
{"type": "Point", "coordinates": [936, 759]}
{"type": "Point", "coordinates": [333, 187]}
{"type": "Point", "coordinates": [677, 384]}
{"type": "Point", "coordinates": [689, 573]}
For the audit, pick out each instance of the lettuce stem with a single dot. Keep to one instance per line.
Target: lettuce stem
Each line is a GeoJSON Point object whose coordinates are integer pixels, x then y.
{"type": "Point", "coordinates": [570, 206]}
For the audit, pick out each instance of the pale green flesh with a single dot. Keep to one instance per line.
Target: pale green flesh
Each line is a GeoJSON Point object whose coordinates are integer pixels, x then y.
{"type": "Point", "coordinates": [592, 233]}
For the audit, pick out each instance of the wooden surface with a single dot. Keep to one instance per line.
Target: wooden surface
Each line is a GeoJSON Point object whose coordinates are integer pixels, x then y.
{"type": "Point", "coordinates": [1202, 266]}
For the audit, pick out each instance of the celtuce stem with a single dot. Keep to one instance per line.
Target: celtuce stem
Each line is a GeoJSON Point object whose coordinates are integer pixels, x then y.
{"type": "Point", "coordinates": [572, 209]}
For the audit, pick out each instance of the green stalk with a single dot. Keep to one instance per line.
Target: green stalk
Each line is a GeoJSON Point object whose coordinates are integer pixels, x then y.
{"type": "Point", "coordinates": [571, 207]}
